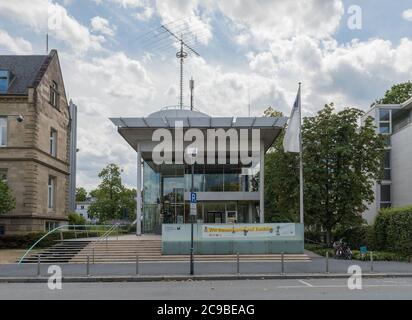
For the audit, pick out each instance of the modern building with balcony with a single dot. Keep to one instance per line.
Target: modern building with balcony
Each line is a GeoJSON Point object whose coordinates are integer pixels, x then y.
{"type": "Point", "coordinates": [228, 192]}
{"type": "Point", "coordinates": [395, 190]}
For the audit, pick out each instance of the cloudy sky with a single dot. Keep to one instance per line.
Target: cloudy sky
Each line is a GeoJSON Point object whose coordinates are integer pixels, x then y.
{"type": "Point", "coordinates": [116, 62]}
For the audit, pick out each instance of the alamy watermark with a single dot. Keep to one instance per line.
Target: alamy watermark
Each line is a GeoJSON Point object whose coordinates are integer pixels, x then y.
{"type": "Point", "coordinates": [55, 280]}
{"type": "Point", "coordinates": [355, 17]}
{"type": "Point", "coordinates": [210, 146]}
{"type": "Point", "coordinates": [355, 280]}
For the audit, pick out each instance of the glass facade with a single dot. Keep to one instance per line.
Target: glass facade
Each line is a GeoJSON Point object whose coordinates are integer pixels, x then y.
{"type": "Point", "coordinates": [385, 128]}
{"type": "Point", "coordinates": [387, 165]}
{"type": "Point", "coordinates": [385, 118]}
{"type": "Point", "coordinates": [164, 189]}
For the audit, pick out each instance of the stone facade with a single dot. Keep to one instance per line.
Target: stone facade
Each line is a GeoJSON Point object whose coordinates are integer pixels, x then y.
{"type": "Point", "coordinates": [27, 158]}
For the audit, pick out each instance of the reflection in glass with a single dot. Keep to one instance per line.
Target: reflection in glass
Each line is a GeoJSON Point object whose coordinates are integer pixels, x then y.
{"type": "Point", "coordinates": [384, 115]}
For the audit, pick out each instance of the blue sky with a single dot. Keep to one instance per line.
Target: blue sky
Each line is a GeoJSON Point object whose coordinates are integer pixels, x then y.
{"type": "Point", "coordinates": [264, 47]}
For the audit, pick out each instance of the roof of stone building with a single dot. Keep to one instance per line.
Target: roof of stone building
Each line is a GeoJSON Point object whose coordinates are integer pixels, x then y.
{"type": "Point", "coordinates": [27, 71]}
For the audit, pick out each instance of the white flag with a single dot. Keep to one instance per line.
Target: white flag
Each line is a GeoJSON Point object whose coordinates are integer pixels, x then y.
{"type": "Point", "coordinates": [291, 143]}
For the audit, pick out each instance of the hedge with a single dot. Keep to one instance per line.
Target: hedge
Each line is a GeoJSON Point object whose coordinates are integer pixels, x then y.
{"type": "Point", "coordinates": [26, 241]}
{"type": "Point", "coordinates": [393, 230]}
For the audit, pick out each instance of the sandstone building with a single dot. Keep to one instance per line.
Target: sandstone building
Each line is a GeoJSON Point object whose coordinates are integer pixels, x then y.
{"type": "Point", "coordinates": [35, 131]}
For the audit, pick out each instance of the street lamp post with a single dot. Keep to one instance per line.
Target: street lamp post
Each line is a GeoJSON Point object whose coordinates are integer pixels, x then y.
{"type": "Point", "coordinates": [193, 154]}
{"type": "Point", "coordinates": [192, 267]}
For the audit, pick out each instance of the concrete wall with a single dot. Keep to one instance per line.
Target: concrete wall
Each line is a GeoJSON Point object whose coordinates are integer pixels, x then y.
{"type": "Point", "coordinates": [176, 241]}
{"type": "Point", "coordinates": [402, 167]}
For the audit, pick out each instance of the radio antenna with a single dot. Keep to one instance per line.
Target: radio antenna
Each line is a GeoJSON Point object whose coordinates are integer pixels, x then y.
{"type": "Point", "coordinates": [184, 34]}
{"type": "Point", "coordinates": [181, 55]}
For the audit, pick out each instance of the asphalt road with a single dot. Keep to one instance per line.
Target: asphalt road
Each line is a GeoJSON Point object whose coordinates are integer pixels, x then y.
{"type": "Point", "coordinates": [319, 289]}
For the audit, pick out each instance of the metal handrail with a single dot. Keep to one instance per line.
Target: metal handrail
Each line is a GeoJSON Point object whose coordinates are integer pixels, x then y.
{"type": "Point", "coordinates": [60, 228]}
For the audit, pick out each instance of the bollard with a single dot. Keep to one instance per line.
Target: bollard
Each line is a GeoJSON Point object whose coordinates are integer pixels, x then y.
{"type": "Point", "coordinates": [283, 263]}
{"type": "Point", "coordinates": [327, 261]}
{"type": "Point", "coordinates": [93, 254]}
{"type": "Point", "coordinates": [38, 266]}
{"type": "Point", "coordinates": [137, 265]}
{"type": "Point", "coordinates": [238, 263]}
{"type": "Point", "coordinates": [88, 266]}
{"type": "Point", "coordinates": [371, 261]}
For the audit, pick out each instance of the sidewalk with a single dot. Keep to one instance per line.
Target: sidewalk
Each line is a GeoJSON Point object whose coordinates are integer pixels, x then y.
{"type": "Point", "coordinates": [165, 271]}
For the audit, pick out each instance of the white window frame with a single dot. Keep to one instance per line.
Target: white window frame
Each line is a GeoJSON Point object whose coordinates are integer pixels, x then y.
{"type": "Point", "coordinates": [53, 142]}
{"type": "Point", "coordinates": [380, 195]}
{"type": "Point", "coordinates": [51, 193]}
{"type": "Point", "coordinates": [385, 121]}
{"type": "Point", "coordinates": [3, 131]}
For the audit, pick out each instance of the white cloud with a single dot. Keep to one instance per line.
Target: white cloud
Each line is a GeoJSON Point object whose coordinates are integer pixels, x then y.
{"type": "Point", "coordinates": [187, 16]}
{"type": "Point", "coordinates": [47, 16]}
{"type": "Point", "coordinates": [15, 45]}
{"type": "Point", "coordinates": [125, 3]}
{"type": "Point", "coordinates": [103, 26]}
{"type": "Point", "coordinates": [352, 74]}
{"type": "Point", "coordinates": [268, 19]}
{"type": "Point", "coordinates": [284, 42]}
{"type": "Point", "coordinates": [144, 14]}
{"type": "Point", "coordinates": [111, 86]}
{"type": "Point", "coordinates": [407, 15]}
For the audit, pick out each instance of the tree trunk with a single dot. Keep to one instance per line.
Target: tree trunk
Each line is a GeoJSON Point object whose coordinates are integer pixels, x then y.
{"type": "Point", "coordinates": [328, 237]}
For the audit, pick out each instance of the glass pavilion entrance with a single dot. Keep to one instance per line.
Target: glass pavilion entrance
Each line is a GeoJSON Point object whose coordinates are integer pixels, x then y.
{"type": "Point", "coordinates": [221, 190]}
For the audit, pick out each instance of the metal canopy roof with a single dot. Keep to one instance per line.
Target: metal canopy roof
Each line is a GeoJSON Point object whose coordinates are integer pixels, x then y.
{"type": "Point", "coordinates": [200, 122]}
{"type": "Point", "coordinates": [140, 130]}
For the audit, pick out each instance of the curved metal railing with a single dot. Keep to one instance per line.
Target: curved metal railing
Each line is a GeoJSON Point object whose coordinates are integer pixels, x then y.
{"type": "Point", "coordinates": [76, 229]}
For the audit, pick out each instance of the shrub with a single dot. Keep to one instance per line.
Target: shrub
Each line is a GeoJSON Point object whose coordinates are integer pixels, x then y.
{"type": "Point", "coordinates": [356, 237]}
{"type": "Point", "coordinates": [26, 241]}
{"type": "Point", "coordinates": [76, 219]}
{"type": "Point", "coordinates": [393, 230]}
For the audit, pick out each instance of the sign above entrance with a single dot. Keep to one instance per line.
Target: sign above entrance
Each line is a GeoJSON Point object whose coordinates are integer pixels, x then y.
{"type": "Point", "coordinates": [249, 231]}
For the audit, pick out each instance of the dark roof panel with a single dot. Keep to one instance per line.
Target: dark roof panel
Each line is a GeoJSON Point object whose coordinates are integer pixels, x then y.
{"type": "Point", "coordinates": [25, 69]}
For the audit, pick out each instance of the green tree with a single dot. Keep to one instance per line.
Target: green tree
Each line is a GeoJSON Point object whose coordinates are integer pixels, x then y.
{"type": "Point", "coordinates": [113, 199]}
{"type": "Point", "coordinates": [76, 219]}
{"type": "Point", "coordinates": [271, 112]}
{"type": "Point", "coordinates": [7, 201]}
{"type": "Point", "coordinates": [341, 161]}
{"type": "Point", "coordinates": [398, 94]}
{"type": "Point", "coordinates": [81, 194]}
{"type": "Point", "coordinates": [281, 180]}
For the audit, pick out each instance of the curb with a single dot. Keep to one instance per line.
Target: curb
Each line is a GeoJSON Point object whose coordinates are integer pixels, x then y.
{"type": "Point", "coordinates": [113, 279]}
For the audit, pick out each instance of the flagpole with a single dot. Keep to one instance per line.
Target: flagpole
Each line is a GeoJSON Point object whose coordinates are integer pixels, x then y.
{"type": "Point", "coordinates": [301, 158]}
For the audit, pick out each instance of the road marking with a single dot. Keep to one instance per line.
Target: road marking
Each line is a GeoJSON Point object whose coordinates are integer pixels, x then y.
{"type": "Point", "coordinates": [344, 287]}
{"type": "Point", "coordinates": [305, 283]}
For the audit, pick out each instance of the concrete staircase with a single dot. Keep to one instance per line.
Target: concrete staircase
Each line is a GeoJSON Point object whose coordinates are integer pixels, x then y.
{"type": "Point", "coordinates": [125, 251]}
{"type": "Point", "coordinates": [148, 249]}
{"type": "Point", "coordinates": [62, 252]}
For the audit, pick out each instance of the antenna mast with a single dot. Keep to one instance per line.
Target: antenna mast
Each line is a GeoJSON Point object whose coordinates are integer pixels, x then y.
{"type": "Point", "coordinates": [192, 88]}
{"type": "Point", "coordinates": [182, 55]}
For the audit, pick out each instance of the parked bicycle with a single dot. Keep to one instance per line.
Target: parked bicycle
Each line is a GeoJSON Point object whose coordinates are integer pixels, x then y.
{"type": "Point", "coordinates": [342, 250]}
